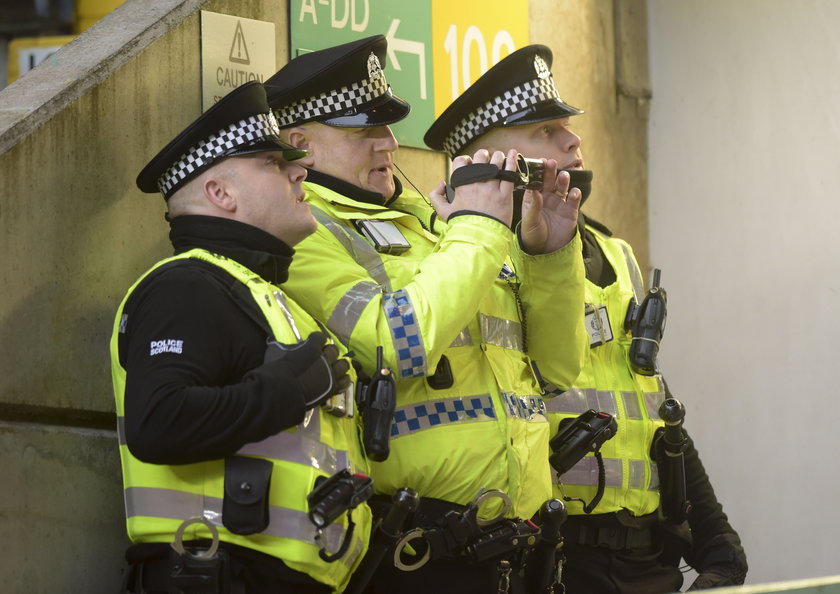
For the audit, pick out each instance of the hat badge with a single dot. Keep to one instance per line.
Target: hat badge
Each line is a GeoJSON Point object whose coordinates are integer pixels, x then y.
{"type": "Point", "coordinates": [541, 67]}
{"type": "Point", "coordinates": [374, 67]}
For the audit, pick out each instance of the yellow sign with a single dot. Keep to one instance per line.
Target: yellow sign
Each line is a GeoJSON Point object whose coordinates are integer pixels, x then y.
{"type": "Point", "coordinates": [234, 50]}
{"type": "Point", "coordinates": [25, 53]}
{"type": "Point", "coordinates": [470, 37]}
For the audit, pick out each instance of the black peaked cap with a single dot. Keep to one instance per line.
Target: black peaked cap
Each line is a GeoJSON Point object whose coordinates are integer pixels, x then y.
{"type": "Point", "coordinates": [238, 124]}
{"type": "Point", "coordinates": [519, 89]}
{"type": "Point", "coordinates": [340, 86]}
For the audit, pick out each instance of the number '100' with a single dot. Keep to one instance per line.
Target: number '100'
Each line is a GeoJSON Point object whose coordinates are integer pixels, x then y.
{"type": "Point", "coordinates": [473, 38]}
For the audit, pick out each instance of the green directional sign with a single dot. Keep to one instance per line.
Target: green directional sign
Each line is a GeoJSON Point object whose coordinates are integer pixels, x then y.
{"type": "Point", "coordinates": [436, 48]}
{"type": "Point", "coordinates": [407, 25]}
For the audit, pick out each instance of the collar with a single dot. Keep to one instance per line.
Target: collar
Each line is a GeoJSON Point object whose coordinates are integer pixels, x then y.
{"type": "Point", "coordinates": [351, 191]}
{"type": "Point", "coordinates": [252, 247]}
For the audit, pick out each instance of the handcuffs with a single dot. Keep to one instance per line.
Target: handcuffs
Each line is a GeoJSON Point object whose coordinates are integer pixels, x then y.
{"type": "Point", "coordinates": [466, 533]}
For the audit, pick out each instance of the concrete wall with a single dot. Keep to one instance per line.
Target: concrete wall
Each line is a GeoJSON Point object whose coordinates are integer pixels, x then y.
{"type": "Point", "coordinates": [75, 233]}
{"type": "Point", "coordinates": [744, 143]}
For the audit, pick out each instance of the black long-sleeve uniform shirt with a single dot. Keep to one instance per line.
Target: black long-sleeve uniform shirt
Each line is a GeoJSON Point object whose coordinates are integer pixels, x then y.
{"type": "Point", "coordinates": [190, 351]}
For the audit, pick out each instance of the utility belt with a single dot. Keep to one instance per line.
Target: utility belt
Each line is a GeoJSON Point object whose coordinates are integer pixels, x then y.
{"type": "Point", "coordinates": [443, 530]}
{"type": "Point", "coordinates": [617, 531]}
{"type": "Point", "coordinates": [152, 566]}
{"type": "Point", "coordinates": [200, 566]}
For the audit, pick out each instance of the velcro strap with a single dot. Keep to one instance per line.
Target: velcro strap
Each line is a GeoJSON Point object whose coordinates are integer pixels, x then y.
{"type": "Point", "coordinates": [478, 172]}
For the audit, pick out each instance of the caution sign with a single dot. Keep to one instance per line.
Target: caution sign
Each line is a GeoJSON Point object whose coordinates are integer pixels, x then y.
{"type": "Point", "coordinates": [234, 50]}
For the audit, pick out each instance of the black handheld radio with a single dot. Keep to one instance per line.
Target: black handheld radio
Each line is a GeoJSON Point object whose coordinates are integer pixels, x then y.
{"type": "Point", "coordinates": [647, 324]}
{"type": "Point", "coordinates": [377, 402]}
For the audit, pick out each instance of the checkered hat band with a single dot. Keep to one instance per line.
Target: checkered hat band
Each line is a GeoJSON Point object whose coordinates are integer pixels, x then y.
{"type": "Point", "coordinates": [496, 110]}
{"type": "Point", "coordinates": [330, 102]}
{"type": "Point", "coordinates": [244, 132]}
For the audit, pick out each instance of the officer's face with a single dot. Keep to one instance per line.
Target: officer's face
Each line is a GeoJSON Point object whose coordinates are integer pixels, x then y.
{"type": "Point", "coordinates": [363, 157]}
{"type": "Point", "coordinates": [271, 196]}
{"type": "Point", "coordinates": [552, 139]}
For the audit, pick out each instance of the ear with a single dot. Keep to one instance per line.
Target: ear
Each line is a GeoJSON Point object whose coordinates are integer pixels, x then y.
{"type": "Point", "coordinates": [221, 193]}
{"type": "Point", "coordinates": [298, 137]}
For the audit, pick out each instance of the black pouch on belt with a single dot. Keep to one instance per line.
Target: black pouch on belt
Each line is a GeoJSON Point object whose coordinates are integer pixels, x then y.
{"type": "Point", "coordinates": [245, 505]}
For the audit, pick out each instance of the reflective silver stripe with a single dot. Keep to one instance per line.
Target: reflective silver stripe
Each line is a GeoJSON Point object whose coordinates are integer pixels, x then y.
{"type": "Point", "coordinates": [631, 405]}
{"type": "Point", "coordinates": [360, 250]}
{"type": "Point", "coordinates": [654, 477]}
{"type": "Point", "coordinates": [585, 473]}
{"type": "Point", "coordinates": [578, 400]}
{"type": "Point", "coordinates": [523, 407]}
{"type": "Point", "coordinates": [501, 333]}
{"type": "Point", "coordinates": [637, 474]}
{"type": "Point", "coordinates": [463, 339]}
{"type": "Point", "coordinates": [298, 447]}
{"type": "Point", "coordinates": [350, 307]}
{"type": "Point", "coordinates": [121, 431]}
{"type": "Point", "coordinates": [652, 402]}
{"type": "Point", "coordinates": [425, 415]}
{"type": "Point", "coordinates": [405, 332]}
{"type": "Point", "coordinates": [635, 273]}
{"type": "Point", "coordinates": [179, 505]}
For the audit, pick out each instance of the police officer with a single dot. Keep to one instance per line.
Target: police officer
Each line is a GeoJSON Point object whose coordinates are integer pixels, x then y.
{"type": "Point", "coordinates": [452, 294]}
{"type": "Point", "coordinates": [615, 547]}
{"type": "Point", "coordinates": [222, 382]}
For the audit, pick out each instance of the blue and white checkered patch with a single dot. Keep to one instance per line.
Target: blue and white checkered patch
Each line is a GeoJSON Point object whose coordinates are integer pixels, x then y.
{"type": "Point", "coordinates": [524, 407]}
{"type": "Point", "coordinates": [411, 356]}
{"type": "Point", "coordinates": [506, 273]}
{"type": "Point", "coordinates": [416, 417]}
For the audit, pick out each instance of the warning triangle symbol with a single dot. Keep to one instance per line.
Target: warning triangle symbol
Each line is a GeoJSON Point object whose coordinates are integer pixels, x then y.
{"type": "Point", "coordinates": [239, 49]}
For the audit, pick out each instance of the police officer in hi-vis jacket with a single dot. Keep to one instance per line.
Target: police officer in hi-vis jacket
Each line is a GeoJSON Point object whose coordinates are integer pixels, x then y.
{"type": "Point", "coordinates": [468, 309]}
{"type": "Point", "coordinates": [224, 385]}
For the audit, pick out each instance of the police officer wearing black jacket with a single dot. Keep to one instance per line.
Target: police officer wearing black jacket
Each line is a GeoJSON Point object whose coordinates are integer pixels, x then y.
{"type": "Point", "coordinates": [221, 380]}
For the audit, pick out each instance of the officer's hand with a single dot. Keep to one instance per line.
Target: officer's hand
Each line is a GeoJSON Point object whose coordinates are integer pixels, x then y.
{"type": "Point", "coordinates": [493, 197]}
{"type": "Point", "coordinates": [550, 216]}
{"type": "Point", "coordinates": [315, 366]}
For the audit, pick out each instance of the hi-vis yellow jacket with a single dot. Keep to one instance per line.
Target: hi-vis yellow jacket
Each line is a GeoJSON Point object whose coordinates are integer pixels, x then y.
{"type": "Point", "coordinates": [159, 497]}
{"type": "Point", "coordinates": [453, 294]}
{"type": "Point", "coordinates": [608, 383]}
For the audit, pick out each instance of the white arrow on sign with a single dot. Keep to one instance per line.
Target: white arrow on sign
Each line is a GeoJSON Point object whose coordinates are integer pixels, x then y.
{"type": "Point", "coordinates": [417, 48]}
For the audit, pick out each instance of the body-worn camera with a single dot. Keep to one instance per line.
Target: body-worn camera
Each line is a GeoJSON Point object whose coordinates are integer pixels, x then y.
{"type": "Point", "coordinates": [576, 437]}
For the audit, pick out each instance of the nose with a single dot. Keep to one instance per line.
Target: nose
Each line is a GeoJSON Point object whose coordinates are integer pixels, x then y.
{"type": "Point", "coordinates": [569, 141]}
{"type": "Point", "coordinates": [385, 140]}
{"type": "Point", "coordinates": [297, 173]}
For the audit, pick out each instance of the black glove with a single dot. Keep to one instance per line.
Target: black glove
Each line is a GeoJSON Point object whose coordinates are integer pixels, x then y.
{"type": "Point", "coordinates": [314, 365]}
{"type": "Point", "coordinates": [712, 579]}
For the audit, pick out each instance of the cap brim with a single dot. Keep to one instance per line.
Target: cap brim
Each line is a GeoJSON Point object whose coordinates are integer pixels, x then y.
{"type": "Point", "coordinates": [269, 144]}
{"type": "Point", "coordinates": [388, 109]}
{"type": "Point", "coordinates": [547, 110]}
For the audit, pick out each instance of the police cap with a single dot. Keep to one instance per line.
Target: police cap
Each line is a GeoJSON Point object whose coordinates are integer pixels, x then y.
{"type": "Point", "coordinates": [340, 86]}
{"type": "Point", "coordinates": [519, 89]}
{"type": "Point", "coordinates": [238, 124]}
